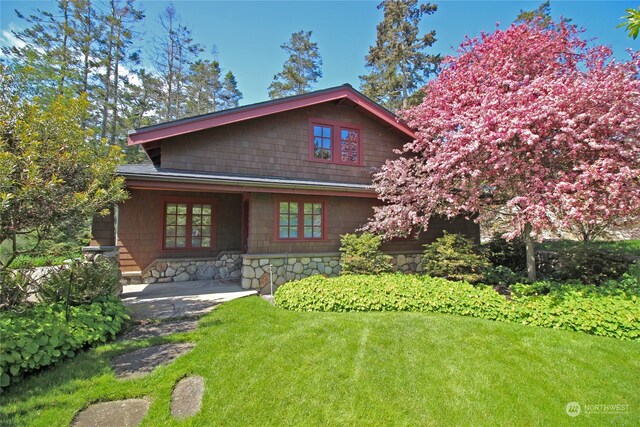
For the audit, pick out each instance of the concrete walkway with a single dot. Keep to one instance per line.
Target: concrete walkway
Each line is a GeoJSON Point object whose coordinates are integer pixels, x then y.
{"type": "Point", "coordinates": [180, 299]}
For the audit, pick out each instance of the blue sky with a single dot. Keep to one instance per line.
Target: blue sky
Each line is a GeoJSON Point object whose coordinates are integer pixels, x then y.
{"type": "Point", "coordinates": [248, 34]}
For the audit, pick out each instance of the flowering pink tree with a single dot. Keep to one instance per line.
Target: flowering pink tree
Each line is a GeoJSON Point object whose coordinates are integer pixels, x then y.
{"type": "Point", "coordinates": [528, 119]}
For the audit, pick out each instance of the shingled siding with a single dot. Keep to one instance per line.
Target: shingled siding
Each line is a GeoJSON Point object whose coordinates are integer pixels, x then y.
{"type": "Point", "coordinates": [278, 146]}
{"type": "Point", "coordinates": [140, 227]}
{"type": "Point", "coordinates": [343, 215]}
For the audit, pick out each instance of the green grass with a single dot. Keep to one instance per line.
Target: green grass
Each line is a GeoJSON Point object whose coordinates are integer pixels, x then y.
{"type": "Point", "coordinates": [266, 366]}
{"type": "Point", "coordinates": [628, 247]}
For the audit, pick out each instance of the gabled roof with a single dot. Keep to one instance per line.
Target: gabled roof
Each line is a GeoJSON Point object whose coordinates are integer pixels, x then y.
{"type": "Point", "coordinates": [206, 121]}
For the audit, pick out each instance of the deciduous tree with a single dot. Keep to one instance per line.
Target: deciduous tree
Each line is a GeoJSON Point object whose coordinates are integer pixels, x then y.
{"type": "Point", "coordinates": [51, 174]}
{"type": "Point", "coordinates": [529, 119]}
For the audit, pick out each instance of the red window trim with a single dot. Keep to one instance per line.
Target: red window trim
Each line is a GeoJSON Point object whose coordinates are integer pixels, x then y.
{"type": "Point", "coordinates": [190, 201]}
{"type": "Point", "coordinates": [300, 238]}
{"type": "Point", "coordinates": [335, 141]}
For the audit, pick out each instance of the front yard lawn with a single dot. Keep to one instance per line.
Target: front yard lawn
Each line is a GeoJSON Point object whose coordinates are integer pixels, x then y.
{"type": "Point", "coordinates": [267, 366]}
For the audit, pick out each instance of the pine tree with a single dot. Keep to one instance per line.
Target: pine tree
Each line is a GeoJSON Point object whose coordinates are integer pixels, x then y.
{"type": "Point", "coordinates": [47, 51]}
{"type": "Point", "coordinates": [542, 14]}
{"type": "Point", "coordinates": [174, 51]}
{"type": "Point", "coordinates": [398, 63]}
{"type": "Point", "coordinates": [203, 88]}
{"type": "Point", "coordinates": [119, 21]}
{"type": "Point", "coordinates": [230, 94]}
{"type": "Point", "coordinates": [301, 70]}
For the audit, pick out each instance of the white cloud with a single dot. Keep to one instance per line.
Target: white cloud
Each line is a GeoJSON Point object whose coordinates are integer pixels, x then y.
{"type": "Point", "coordinates": [8, 39]}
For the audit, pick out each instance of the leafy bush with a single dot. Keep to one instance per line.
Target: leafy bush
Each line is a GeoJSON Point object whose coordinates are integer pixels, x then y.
{"type": "Point", "coordinates": [500, 275]}
{"type": "Point", "coordinates": [573, 307]}
{"type": "Point", "coordinates": [361, 254]}
{"type": "Point", "coordinates": [454, 257]}
{"type": "Point", "coordinates": [42, 335]}
{"type": "Point", "coordinates": [82, 282]}
{"type": "Point", "coordinates": [14, 288]}
{"type": "Point", "coordinates": [511, 254]}
{"type": "Point", "coordinates": [589, 265]}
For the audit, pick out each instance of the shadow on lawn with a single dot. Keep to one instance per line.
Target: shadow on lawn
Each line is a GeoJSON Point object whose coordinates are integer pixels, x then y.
{"type": "Point", "coordinates": [51, 384]}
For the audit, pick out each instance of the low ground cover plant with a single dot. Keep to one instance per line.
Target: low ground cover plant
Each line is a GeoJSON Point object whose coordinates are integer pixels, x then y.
{"type": "Point", "coordinates": [44, 334]}
{"type": "Point", "coordinates": [612, 312]}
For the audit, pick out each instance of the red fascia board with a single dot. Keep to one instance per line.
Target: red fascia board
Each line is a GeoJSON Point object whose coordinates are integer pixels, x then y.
{"type": "Point", "coordinates": [150, 135]}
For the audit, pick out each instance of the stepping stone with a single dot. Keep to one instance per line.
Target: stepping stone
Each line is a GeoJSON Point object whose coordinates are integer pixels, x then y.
{"type": "Point", "coordinates": [187, 397]}
{"type": "Point", "coordinates": [117, 413]}
{"type": "Point", "coordinates": [160, 329]}
{"type": "Point", "coordinates": [141, 362]}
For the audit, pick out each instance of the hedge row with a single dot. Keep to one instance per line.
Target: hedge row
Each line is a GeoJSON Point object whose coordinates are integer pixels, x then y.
{"type": "Point", "coordinates": [614, 313]}
{"type": "Point", "coordinates": [41, 335]}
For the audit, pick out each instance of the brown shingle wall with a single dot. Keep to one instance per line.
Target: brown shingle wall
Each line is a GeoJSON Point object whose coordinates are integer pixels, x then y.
{"type": "Point", "coordinates": [140, 227]}
{"type": "Point", "coordinates": [343, 215]}
{"type": "Point", "coordinates": [103, 230]}
{"type": "Point", "coordinates": [278, 145]}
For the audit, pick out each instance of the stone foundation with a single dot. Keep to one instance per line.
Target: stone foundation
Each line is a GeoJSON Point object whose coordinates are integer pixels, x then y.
{"type": "Point", "coordinates": [225, 266]}
{"type": "Point", "coordinates": [285, 268]}
{"type": "Point", "coordinates": [94, 253]}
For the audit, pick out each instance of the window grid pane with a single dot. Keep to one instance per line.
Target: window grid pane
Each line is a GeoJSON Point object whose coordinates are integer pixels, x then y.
{"type": "Point", "coordinates": [288, 226]}
{"type": "Point", "coordinates": [175, 225]}
{"type": "Point", "coordinates": [200, 228]}
{"type": "Point", "coordinates": [349, 145]}
{"type": "Point", "coordinates": [312, 221]}
{"type": "Point", "coordinates": [322, 142]}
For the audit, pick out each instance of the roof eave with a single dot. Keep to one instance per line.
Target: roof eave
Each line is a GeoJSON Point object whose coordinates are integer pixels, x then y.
{"type": "Point", "coordinates": [248, 184]}
{"type": "Point", "coordinates": [259, 110]}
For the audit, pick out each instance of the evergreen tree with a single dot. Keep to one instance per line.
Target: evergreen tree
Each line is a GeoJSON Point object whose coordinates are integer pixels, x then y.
{"type": "Point", "coordinates": [398, 63]}
{"type": "Point", "coordinates": [542, 14]}
{"type": "Point", "coordinates": [203, 88]}
{"type": "Point", "coordinates": [230, 94]}
{"type": "Point", "coordinates": [120, 21]}
{"type": "Point", "coordinates": [174, 51]}
{"type": "Point", "coordinates": [47, 51]}
{"type": "Point", "coordinates": [301, 70]}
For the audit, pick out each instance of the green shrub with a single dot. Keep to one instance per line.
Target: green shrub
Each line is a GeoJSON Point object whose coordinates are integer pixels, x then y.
{"type": "Point", "coordinates": [82, 282]}
{"type": "Point", "coordinates": [454, 257]}
{"type": "Point", "coordinates": [42, 335]}
{"type": "Point", "coordinates": [510, 254]}
{"type": "Point", "coordinates": [14, 288]}
{"type": "Point", "coordinates": [583, 308]}
{"type": "Point", "coordinates": [500, 275]}
{"type": "Point", "coordinates": [589, 264]}
{"type": "Point", "coordinates": [361, 254]}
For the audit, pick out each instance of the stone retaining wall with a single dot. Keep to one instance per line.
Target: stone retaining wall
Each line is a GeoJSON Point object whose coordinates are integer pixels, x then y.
{"type": "Point", "coordinates": [225, 266]}
{"type": "Point", "coordinates": [255, 268]}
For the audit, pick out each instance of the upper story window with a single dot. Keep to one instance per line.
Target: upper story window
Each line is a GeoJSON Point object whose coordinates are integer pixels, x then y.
{"type": "Point", "coordinates": [335, 142]}
{"type": "Point", "coordinates": [188, 226]}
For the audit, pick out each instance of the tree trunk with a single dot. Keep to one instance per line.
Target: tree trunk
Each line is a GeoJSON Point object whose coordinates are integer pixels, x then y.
{"type": "Point", "coordinates": [531, 256]}
{"type": "Point", "coordinates": [116, 82]}
{"type": "Point", "coordinates": [65, 55]}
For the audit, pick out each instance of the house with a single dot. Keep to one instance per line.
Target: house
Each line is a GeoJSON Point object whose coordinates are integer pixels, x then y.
{"type": "Point", "coordinates": [231, 193]}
